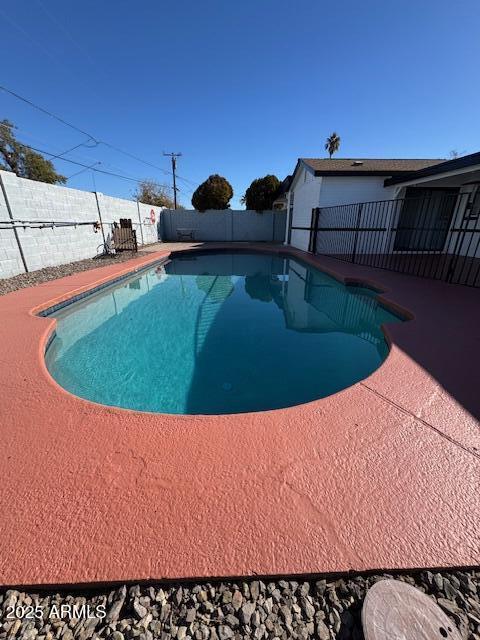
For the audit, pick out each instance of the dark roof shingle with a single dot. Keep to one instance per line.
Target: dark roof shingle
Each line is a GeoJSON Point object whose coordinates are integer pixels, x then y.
{"type": "Point", "coordinates": [364, 166]}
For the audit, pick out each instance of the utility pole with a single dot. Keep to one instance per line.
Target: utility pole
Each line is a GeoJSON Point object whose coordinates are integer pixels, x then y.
{"type": "Point", "coordinates": [174, 157]}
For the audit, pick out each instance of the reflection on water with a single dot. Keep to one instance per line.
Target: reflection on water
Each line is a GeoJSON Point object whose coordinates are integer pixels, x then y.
{"type": "Point", "coordinates": [217, 288]}
{"type": "Point", "coordinates": [219, 333]}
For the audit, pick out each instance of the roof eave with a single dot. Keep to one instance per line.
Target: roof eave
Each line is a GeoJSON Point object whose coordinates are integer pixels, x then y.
{"type": "Point", "coordinates": [444, 167]}
{"type": "Point", "coordinates": [357, 172]}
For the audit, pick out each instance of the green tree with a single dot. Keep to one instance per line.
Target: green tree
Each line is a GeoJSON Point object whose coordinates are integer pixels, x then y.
{"type": "Point", "coordinates": [17, 157]}
{"type": "Point", "coordinates": [215, 193]}
{"type": "Point", "coordinates": [149, 192]}
{"type": "Point", "coordinates": [332, 144]}
{"type": "Point", "coordinates": [261, 193]}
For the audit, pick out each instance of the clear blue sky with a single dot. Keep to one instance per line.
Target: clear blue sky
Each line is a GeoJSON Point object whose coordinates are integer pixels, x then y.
{"type": "Point", "coordinates": [241, 88]}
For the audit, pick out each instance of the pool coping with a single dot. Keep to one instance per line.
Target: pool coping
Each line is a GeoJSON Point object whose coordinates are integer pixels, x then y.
{"type": "Point", "coordinates": [137, 441]}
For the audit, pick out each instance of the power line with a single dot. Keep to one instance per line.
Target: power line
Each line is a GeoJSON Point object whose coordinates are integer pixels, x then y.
{"type": "Point", "coordinates": [10, 126]}
{"type": "Point", "coordinates": [92, 168]}
{"type": "Point", "coordinates": [91, 137]}
{"type": "Point", "coordinates": [60, 154]}
{"type": "Point", "coordinates": [77, 173]}
{"type": "Point", "coordinates": [81, 144]}
{"type": "Point", "coordinates": [48, 113]}
{"type": "Point", "coordinates": [86, 167]}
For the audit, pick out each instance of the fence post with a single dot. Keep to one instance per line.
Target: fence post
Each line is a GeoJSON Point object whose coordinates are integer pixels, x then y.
{"type": "Point", "coordinates": [17, 237]}
{"type": "Point", "coordinates": [100, 216]}
{"type": "Point", "coordinates": [312, 243]}
{"type": "Point", "coordinates": [359, 215]}
{"type": "Point", "coordinates": [140, 222]}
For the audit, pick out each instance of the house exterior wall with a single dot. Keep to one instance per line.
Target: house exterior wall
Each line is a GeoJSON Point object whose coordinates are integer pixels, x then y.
{"type": "Point", "coordinates": [340, 197]}
{"type": "Point", "coordinates": [47, 247]}
{"type": "Point", "coordinates": [311, 191]}
{"type": "Point", "coordinates": [306, 194]}
{"type": "Point", "coordinates": [346, 190]}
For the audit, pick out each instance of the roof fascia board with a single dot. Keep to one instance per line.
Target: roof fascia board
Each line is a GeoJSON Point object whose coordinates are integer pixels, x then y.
{"type": "Point", "coordinates": [433, 176]}
{"type": "Point", "coordinates": [300, 164]}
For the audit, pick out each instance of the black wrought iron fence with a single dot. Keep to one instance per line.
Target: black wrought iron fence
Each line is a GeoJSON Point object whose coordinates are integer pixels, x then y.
{"type": "Point", "coordinates": [436, 236]}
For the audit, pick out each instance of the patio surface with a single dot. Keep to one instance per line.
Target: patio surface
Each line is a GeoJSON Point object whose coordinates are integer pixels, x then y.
{"type": "Point", "coordinates": [382, 475]}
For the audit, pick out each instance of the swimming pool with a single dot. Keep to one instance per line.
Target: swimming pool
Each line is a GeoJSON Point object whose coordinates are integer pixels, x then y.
{"type": "Point", "coordinates": [216, 333]}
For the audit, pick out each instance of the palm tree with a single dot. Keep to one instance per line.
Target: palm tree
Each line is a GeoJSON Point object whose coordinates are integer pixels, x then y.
{"type": "Point", "coordinates": [332, 145]}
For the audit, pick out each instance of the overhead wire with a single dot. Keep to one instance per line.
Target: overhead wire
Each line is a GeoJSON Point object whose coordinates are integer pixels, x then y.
{"type": "Point", "coordinates": [90, 136]}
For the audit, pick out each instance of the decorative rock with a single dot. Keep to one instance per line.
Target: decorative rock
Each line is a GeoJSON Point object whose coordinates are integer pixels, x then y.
{"type": "Point", "coordinates": [191, 615]}
{"type": "Point", "coordinates": [139, 609]}
{"type": "Point", "coordinates": [286, 615]}
{"type": "Point", "coordinates": [238, 610]}
{"type": "Point", "coordinates": [255, 589]}
{"type": "Point", "coordinates": [255, 619]}
{"type": "Point", "coordinates": [308, 608]}
{"type": "Point", "coordinates": [438, 581]}
{"type": "Point", "coordinates": [232, 620]}
{"type": "Point", "coordinates": [276, 595]}
{"type": "Point", "coordinates": [181, 633]}
{"type": "Point", "coordinates": [114, 611]}
{"type": "Point", "coordinates": [224, 632]}
{"type": "Point", "coordinates": [246, 612]}
{"type": "Point", "coordinates": [322, 631]}
{"type": "Point", "coordinates": [448, 606]}
{"type": "Point", "coordinates": [237, 600]}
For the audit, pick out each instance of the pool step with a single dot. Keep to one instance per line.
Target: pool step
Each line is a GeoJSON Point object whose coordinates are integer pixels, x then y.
{"type": "Point", "coordinates": [219, 291]}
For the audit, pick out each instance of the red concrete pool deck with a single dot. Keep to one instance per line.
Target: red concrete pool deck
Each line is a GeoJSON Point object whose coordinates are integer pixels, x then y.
{"type": "Point", "coordinates": [382, 475]}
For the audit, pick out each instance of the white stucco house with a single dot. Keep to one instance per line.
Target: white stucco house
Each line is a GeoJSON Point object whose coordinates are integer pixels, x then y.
{"type": "Point", "coordinates": [372, 208]}
{"type": "Point", "coordinates": [327, 182]}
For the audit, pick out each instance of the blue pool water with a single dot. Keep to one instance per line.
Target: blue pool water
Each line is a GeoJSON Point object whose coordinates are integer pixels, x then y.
{"type": "Point", "coordinates": [218, 333]}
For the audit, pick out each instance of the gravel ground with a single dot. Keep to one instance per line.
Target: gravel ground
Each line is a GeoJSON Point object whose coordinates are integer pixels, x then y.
{"type": "Point", "coordinates": [52, 273]}
{"type": "Point", "coordinates": [324, 609]}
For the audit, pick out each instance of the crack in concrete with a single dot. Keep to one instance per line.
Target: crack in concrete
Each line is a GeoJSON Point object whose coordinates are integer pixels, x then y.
{"type": "Point", "coordinates": [422, 421]}
{"type": "Point", "coordinates": [326, 522]}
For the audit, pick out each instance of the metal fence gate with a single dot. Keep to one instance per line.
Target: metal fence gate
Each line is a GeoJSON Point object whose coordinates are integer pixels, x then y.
{"type": "Point", "coordinates": [437, 236]}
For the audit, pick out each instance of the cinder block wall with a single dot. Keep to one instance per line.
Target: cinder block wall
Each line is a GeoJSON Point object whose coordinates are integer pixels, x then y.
{"type": "Point", "coordinates": [37, 201]}
{"type": "Point", "coordinates": [225, 225]}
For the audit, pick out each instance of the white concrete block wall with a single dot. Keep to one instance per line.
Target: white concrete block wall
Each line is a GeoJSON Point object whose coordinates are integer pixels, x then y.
{"type": "Point", "coordinates": [149, 230]}
{"type": "Point", "coordinates": [113, 209]}
{"type": "Point", "coordinates": [10, 258]}
{"type": "Point", "coordinates": [38, 201]}
{"type": "Point", "coordinates": [225, 225]}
